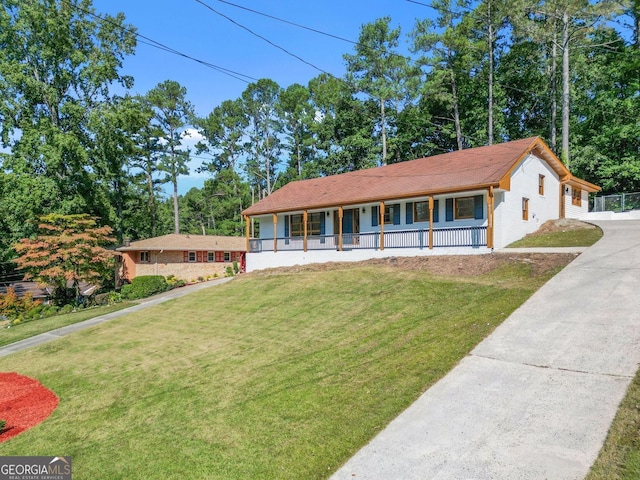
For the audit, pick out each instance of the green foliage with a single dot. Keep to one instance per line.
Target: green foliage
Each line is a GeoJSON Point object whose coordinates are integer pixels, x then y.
{"type": "Point", "coordinates": [11, 305]}
{"type": "Point", "coordinates": [236, 267]}
{"type": "Point", "coordinates": [229, 271]}
{"type": "Point", "coordinates": [3, 423]}
{"type": "Point", "coordinates": [174, 282]}
{"type": "Point", "coordinates": [144, 286]}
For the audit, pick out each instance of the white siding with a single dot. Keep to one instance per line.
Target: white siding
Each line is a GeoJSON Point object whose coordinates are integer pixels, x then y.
{"type": "Point", "coordinates": [574, 211]}
{"type": "Point", "coordinates": [509, 224]}
{"type": "Point", "coordinates": [260, 261]}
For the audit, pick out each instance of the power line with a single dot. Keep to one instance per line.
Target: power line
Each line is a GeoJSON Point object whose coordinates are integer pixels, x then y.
{"type": "Point", "coordinates": [154, 43]}
{"type": "Point", "coordinates": [262, 37]}
{"type": "Point", "coordinates": [289, 22]}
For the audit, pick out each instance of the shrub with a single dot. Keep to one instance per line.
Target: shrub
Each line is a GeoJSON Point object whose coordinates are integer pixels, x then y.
{"type": "Point", "coordinates": [236, 268]}
{"type": "Point", "coordinates": [229, 271]}
{"type": "Point", "coordinates": [3, 423]}
{"type": "Point", "coordinates": [65, 309]}
{"type": "Point", "coordinates": [11, 305]}
{"type": "Point", "coordinates": [145, 286]}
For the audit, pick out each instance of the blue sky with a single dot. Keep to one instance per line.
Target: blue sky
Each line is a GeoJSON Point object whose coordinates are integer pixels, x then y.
{"type": "Point", "coordinates": [193, 29]}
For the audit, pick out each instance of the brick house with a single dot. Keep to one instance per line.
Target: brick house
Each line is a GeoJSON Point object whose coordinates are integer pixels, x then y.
{"type": "Point", "coordinates": [184, 256]}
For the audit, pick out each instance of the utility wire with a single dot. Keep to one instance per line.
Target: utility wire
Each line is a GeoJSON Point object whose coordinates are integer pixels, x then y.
{"type": "Point", "coordinates": [289, 22]}
{"type": "Point", "coordinates": [154, 43]}
{"type": "Point", "coordinates": [262, 37]}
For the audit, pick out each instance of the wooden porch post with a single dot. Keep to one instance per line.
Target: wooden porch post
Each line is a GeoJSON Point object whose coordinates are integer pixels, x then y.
{"type": "Point", "coordinates": [340, 215]}
{"type": "Point", "coordinates": [304, 239]}
{"type": "Point", "coordinates": [275, 232]}
{"type": "Point", "coordinates": [246, 228]}
{"type": "Point", "coordinates": [562, 201]}
{"type": "Point", "coordinates": [381, 225]}
{"type": "Point", "coordinates": [431, 204]}
{"type": "Point", "coordinates": [490, 207]}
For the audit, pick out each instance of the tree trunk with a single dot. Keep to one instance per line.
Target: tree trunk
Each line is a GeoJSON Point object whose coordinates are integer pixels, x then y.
{"type": "Point", "coordinates": [490, 116]}
{"type": "Point", "coordinates": [554, 91]}
{"type": "Point", "coordinates": [565, 89]}
{"type": "Point", "coordinates": [456, 112]}
{"type": "Point", "coordinates": [176, 217]}
{"type": "Point", "coordinates": [384, 132]}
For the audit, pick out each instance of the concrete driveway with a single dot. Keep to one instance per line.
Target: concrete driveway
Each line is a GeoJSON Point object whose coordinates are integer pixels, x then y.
{"type": "Point", "coordinates": [536, 398]}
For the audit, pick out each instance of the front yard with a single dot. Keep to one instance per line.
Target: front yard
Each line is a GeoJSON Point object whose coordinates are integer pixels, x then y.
{"type": "Point", "coordinates": [281, 374]}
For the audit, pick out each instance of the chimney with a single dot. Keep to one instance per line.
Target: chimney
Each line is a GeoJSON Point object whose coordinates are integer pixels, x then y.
{"type": "Point", "coordinates": [127, 242]}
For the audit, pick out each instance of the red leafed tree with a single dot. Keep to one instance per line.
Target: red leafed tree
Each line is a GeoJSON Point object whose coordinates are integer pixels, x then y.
{"type": "Point", "coordinates": [68, 249]}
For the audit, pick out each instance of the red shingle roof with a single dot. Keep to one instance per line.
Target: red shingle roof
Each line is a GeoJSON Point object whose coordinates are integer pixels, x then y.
{"type": "Point", "coordinates": [462, 170]}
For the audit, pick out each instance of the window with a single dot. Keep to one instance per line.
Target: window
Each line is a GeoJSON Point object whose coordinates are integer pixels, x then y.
{"type": "Point", "coordinates": [227, 256]}
{"type": "Point", "coordinates": [388, 214]}
{"type": "Point", "coordinates": [576, 197]}
{"type": "Point", "coordinates": [465, 207]}
{"type": "Point", "coordinates": [421, 211]}
{"type": "Point", "coordinates": [211, 257]}
{"type": "Point", "coordinates": [313, 224]}
{"type": "Point", "coordinates": [525, 209]}
{"type": "Point", "coordinates": [541, 184]}
{"type": "Point", "coordinates": [192, 257]}
{"type": "Point", "coordinates": [144, 257]}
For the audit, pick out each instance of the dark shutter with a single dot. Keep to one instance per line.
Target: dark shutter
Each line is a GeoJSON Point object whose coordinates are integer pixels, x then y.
{"type": "Point", "coordinates": [449, 209]}
{"type": "Point", "coordinates": [185, 257]}
{"type": "Point", "coordinates": [436, 209]}
{"type": "Point", "coordinates": [374, 216]}
{"type": "Point", "coordinates": [286, 227]}
{"type": "Point", "coordinates": [478, 211]}
{"type": "Point", "coordinates": [396, 214]}
{"type": "Point", "coordinates": [199, 257]}
{"type": "Point", "coordinates": [409, 213]}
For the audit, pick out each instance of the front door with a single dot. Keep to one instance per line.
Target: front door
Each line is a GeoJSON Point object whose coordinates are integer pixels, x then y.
{"type": "Point", "coordinates": [350, 225]}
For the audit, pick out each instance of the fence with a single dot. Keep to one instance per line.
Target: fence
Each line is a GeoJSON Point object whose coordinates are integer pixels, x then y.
{"type": "Point", "coordinates": [617, 203]}
{"type": "Point", "coordinates": [442, 237]}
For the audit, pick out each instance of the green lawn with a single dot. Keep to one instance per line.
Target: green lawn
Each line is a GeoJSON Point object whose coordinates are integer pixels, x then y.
{"type": "Point", "coordinates": [582, 237]}
{"type": "Point", "coordinates": [281, 375]}
{"type": "Point", "coordinates": [619, 458]}
{"type": "Point", "coordinates": [35, 327]}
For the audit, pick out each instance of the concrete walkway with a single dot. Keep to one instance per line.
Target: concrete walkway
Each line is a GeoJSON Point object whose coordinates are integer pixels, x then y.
{"type": "Point", "coordinates": [536, 398]}
{"type": "Point", "coordinates": [141, 304]}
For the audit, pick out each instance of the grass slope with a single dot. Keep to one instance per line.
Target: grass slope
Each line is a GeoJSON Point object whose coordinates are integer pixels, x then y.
{"type": "Point", "coordinates": [36, 327]}
{"type": "Point", "coordinates": [269, 376]}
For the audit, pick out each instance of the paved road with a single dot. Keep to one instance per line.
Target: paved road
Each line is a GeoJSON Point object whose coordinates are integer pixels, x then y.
{"type": "Point", "coordinates": [536, 398]}
{"type": "Point", "coordinates": [144, 303]}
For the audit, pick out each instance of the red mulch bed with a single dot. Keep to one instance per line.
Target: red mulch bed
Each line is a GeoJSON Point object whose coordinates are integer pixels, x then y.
{"type": "Point", "coordinates": [24, 403]}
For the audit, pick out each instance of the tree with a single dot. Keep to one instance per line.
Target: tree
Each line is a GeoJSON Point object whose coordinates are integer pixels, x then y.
{"type": "Point", "coordinates": [260, 100]}
{"type": "Point", "coordinates": [343, 128]}
{"type": "Point", "coordinates": [563, 24]}
{"type": "Point", "coordinates": [381, 73]}
{"type": "Point", "coordinates": [172, 112]}
{"type": "Point", "coordinates": [56, 65]}
{"type": "Point", "coordinates": [447, 51]}
{"type": "Point", "coordinates": [68, 248]}
{"type": "Point", "coordinates": [298, 115]}
{"type": "Point", "coordinates": [223, 131]}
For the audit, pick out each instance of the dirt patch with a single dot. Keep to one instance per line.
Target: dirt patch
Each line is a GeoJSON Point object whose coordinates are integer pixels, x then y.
{"type": "Point", "coordinates": [562, 225]}
{"type": "Point", "coordinates": [24, 403]}
{"type": "Point", "coordinates": [445, 265]}
{"type": "Point", "coordinates": [460, 265]}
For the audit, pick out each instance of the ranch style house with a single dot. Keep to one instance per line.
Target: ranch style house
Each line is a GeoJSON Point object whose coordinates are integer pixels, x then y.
{"type": "Point", "coordinates": [186, 257]}
{"type": "Point", "coordinates": [463, 202]}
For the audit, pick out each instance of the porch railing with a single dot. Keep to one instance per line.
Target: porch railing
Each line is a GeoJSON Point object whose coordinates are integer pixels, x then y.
{"type": "Point", "coordinates": [442, 237]}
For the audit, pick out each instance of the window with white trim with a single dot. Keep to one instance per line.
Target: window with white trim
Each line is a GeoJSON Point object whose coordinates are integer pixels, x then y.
{"type": "Point", "coordinates": [145, 257]}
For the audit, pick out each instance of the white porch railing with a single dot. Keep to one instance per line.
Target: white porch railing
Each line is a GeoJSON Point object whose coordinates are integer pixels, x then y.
{"type": "Point", "coordinates": [442, 237]}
